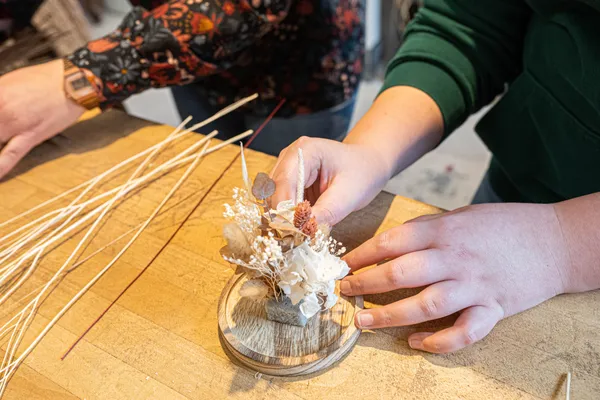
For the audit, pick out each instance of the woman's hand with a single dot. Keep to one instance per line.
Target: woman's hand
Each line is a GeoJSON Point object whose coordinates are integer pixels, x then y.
{"type": "Point", "coordinates": [339, 177]}
{"type": "Point", "coordinates": [33, 108]}
{"type": "Point", "coordinates": [486, 262]}
{"type": "Point", "coordinates": [402, 125]}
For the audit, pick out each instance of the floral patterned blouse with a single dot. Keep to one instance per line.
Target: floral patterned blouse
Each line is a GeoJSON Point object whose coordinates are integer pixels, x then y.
{"type": "Point", "coordinates": [309, 52]}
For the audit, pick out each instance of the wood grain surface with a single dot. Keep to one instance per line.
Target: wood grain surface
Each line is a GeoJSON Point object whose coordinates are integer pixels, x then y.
{"type": "Point", "coordinates": [161, 341]}
{"type": "Point", "coordinates": [279, 349]}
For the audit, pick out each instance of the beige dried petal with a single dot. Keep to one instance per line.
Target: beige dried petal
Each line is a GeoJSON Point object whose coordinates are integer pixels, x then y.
{"type": "Point", "coordinates": [236, 241]}
{"type": "Point", "coordinates": [287, 229]}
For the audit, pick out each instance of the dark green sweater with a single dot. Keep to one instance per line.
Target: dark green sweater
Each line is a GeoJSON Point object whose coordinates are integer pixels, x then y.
{"type": "Point", "coordinates": [545, 131]}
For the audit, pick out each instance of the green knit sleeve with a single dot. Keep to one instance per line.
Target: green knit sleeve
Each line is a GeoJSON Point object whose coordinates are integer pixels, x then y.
{"type": "Point", "coordinates": [462, 53]}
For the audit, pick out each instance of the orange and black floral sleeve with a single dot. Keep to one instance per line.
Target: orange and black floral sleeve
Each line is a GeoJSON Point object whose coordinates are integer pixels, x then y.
{"type": "Point", "coordinates": [175, 43]}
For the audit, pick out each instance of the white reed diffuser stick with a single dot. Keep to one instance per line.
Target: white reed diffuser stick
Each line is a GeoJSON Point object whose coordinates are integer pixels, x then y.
{"type": "Point", "coordinates": [300, 179]}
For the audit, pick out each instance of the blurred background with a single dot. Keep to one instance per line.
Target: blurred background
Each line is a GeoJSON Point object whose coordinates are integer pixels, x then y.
{"type": "Point", "coordinates": [40, 30]}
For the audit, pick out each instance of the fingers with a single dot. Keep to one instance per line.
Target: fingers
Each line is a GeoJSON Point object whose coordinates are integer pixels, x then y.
{"type": "Point", "coordinates": [280, 191]}
{"type": "Point", "coordinates": [393, 243]}
{"type": "Point", "coordinates": [416, 269]}
{"type": "Point", "coordinates": [434, 302]}
{"type": "Point", "coordinates": [474, 324]}
{"type": "Point", "coordinates": [426, 217]}
{"type": "Point", "coordinates": [335, 199]}
{"type": "Point", "coordinates": [285, 173]}
{"type": "Point", "coordinates": [13, 152]}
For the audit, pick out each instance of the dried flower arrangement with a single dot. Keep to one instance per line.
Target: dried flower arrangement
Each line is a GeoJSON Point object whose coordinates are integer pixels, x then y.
{"type": "Point", "coordinates": [290, 259]}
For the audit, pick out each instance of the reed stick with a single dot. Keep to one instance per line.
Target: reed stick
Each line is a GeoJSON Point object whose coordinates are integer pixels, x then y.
{"type": "Point", "coordinates": [8, 370]}
{"type": "Point", "coordinates": [57, 224]}
{"type": "Point", "coordinates": [173, 162]}
{"type": "Point", "coordinates": [218, 115]}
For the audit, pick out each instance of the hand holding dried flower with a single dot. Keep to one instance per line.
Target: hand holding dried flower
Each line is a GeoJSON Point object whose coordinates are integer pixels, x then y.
{"type": "Point", "coordinates": [283, 249]}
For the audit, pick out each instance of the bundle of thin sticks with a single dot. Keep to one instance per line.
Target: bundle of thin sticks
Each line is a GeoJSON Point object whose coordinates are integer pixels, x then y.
{"type": "Point", "coordinates": [78, 216]}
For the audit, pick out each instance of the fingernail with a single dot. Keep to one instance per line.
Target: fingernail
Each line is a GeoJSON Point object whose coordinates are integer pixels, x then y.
{"type": "Point", "coordinates": [415, 343]}
{"type": "Point", "coordinates": [345, 287]}
{"type": "Point", "coordinates": [364, 319]}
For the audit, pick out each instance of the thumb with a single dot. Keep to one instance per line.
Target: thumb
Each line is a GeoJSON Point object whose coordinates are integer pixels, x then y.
{"type": "Point", "coordinates": [13, 152]}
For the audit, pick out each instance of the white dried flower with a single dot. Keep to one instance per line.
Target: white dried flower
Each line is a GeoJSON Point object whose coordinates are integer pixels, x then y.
{"type": "Point", "coordinates": [331, 300]}
{"type": "Point", "coordinates": [310, 272]}
{"type": "Point", "coordinates": [305, 273]}
{"type": "Point", "coordinates": [310, 306]}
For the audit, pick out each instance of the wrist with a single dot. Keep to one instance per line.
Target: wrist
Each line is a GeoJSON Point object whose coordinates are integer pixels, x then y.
{"type": "Point", "coordinates": [578, 220]}
{"type": "Point", "coordinates": [402, 125]}
{"type": "Point", "coordinates": [81, 87]}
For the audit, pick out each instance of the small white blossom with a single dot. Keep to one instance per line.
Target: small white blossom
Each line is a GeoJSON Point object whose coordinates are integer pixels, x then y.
{"type": "Point", "coordinates": [244, 212]}
{"type": "Point", "coordinates": [306, 273]}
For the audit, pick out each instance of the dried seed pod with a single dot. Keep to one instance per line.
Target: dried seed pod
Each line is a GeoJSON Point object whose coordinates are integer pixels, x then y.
{"type": "Point", "coordinates": [310, 228]}
{"type": "Point", "coordinates": [302, 214]}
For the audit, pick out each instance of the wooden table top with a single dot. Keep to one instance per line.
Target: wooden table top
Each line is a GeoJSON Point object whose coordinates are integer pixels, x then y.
{"type": "Point", "coordinates": [159, 341]}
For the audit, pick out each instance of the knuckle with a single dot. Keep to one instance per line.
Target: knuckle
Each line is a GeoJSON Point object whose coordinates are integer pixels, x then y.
{"type": "Point", "coordinates": [443, 226]}
{"type": "Point", "coordinates": [328, 214]}
{"type": "Point", "coordinates": [282, 153]}
{"type": "Point", "coordinates": [470, 337]}
{"type": "Point", "coordinates": [12, 153]}
{"type": "Point", "coordinates": [356, 285]}
{"type": "Point", "coordinates": [384, 242]}
{"type": "Point", "coordinates": [463, 253]}
{"type": "Point", "coordinates": [430, 307]}
{"type": "Point", "coordinates": [396, 274]}
{"type": "Point", "coordinates": [386, 318]}
{"type": "Point", "coordinates": [437, 346]}
{"type": "Point", "coordinates": [303, 141]}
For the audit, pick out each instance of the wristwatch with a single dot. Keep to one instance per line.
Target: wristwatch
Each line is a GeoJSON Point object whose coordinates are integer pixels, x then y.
{"type": "Point", "coordinates": [80, 87]}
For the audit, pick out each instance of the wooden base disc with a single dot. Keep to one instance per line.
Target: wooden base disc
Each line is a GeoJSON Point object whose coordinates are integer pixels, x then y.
{"type": "Point", "coordinates": [278, 349]}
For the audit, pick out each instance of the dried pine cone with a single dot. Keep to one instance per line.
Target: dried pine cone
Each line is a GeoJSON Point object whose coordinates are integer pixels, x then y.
{"type": "Point", "coordinates": [302, 214]}
{"type": "Point", "coordinates": [310, 228]}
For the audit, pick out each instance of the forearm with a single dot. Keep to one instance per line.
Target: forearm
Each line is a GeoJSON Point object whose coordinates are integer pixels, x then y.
{"type": "Point", "coordinates": [579, 220]}
{"type": "Point", "coordinates": [402, 125]}
{"type": "Point", "coordinates": [174, 44]}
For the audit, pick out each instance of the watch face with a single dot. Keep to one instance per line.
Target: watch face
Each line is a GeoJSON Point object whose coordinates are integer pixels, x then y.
{"type": "Point", "coordinates": [78, 86]}
{"type": "Point", "coordinates": [79, 83]}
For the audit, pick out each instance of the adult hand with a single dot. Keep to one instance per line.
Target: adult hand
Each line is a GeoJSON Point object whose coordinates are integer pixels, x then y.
{"type": "Point", "coordinates": [33, 108]}
{"type": "Point", "coordinates": [402, 125]}
{"type": "Point", "coordinates": [339, 178]}
{"type": "Point", "coordinates": [486, 262]}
